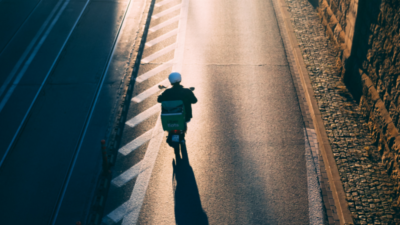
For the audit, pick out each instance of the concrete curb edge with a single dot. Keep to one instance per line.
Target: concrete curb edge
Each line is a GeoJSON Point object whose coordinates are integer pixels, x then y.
{"type": "Point", "coordinates": [299, 66]}
{"type": "Point", "coordinates": [117, 119]}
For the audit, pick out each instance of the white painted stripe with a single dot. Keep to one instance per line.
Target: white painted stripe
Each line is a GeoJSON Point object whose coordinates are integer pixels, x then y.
{"type": "Point", "coordinates": [164, 24]}
{"type": "Point", "coordinates": [180, 40]}
{"type": "Point", "coordinates": [139, 191]}
{"type": "Point", "coordinates": [163, 3]}
{"type": "Point", "coordinates": [29, 48]}
{"type": "Point", "coordinates": [94, 103]}
{"type": "Point", "coordinates": [41, 87]}
{"type": "Point", "coordinates": [161, 38]}
{"type": "Point", "coordinates": [149, 92]}
{"type": "Point", "coordinates": [165, 12]}
{"type": "Point", "coordinates": [136, 143]}
{"type": "Point", "coordinates": [312, 138]}
{"type": "Point", "coordinates": [133, 205]}
{"type": "Point", "coordinates": [31, 57]}
{"type": "Point", "coordinates": [153, 72]}
{"type": "Point", "coordinates": [126, 176]}
{"type": "Point", "coordinates": [20, 27]}
{"type": "Point", "coordinates": [144, 115]}
{"type": "Point", "coordinates": [129, 211]}
{"type": "Point", "coordinates": [315, 205]}
{"type": "Point", "coordinates": [158, 54]}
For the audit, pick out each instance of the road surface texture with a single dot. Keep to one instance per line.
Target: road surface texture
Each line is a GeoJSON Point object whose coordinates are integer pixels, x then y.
{"type": "Point", "coordinates": [62, 62]}
{"type": "Point", "coordinates": [245, 160]}
{"type": "Point", "coordinates": [61, 65]}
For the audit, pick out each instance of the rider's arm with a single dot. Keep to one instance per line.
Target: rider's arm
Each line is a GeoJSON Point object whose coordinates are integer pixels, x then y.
{"type": "Point", "coordinates": [192, 99]}
{"type": "Point", "coordinates": [160, 98]}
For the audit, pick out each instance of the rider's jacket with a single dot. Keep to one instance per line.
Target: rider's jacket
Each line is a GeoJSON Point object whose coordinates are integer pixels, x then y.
{"type": "Point", "coordinates": [178, 92]}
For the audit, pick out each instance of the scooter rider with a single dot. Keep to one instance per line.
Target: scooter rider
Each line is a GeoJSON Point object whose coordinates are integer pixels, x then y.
{"type": "Point", "coordinates": [178, 92]}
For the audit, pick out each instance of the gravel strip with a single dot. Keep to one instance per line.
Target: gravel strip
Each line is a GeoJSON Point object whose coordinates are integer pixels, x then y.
{"type": "Point", "coordinates": [368, 188]}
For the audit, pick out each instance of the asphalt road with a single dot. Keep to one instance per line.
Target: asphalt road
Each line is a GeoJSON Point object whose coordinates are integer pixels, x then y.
{"type": "Point", "coordinates": [61, 67]}
{"type": "Point", "coordinates": [59, 86]}
{"type": "Point", "coordinates": [244, 161]}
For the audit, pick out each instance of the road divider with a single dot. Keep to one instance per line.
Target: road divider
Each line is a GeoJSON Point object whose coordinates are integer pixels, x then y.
{"type": "Point", "coordinates": [128, 212]}
{"type": "Point", "coordinates": [91, 111]}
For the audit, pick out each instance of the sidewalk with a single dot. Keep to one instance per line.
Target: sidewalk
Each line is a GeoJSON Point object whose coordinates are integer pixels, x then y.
{"type": "Point", "coordinates": [367, 186]}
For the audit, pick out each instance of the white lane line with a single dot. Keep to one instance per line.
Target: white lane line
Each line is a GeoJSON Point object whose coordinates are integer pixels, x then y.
{"type": "Point", "coordinates": [128, 175]}
{"type": "Point", "coordinates": [158, 54]}
{"type": "Point", "coordinates": [117, 214]}
{"type": "Point", "coordinates": [93, 105]}
{"type": "Point", "coordinates": [165, 12]}
{"type": "Point", "coordinates": [20, 27]}
{"type": "Point", "coordinates": [129, 211]}
{"type": "Point", "coordinates": [149, 92]}
{"type": "Point", "coordinates": [161, 38]}
{"type": "Point", "coordinates": [180, 40]}
{"type": "Point", "coordinates": [29, 48]}
{"type": "Point", "coordinates": [164, 24]}
{"type": "Point", "coordinates": [312, 137]}
{"type": "Point", "coordinates": [133, 205]}
{"type": "Point", "coordinates": [42, 85]}
{"type": "Point", "coordinates": [163, 3]}
{"type": "Point", "coordinates": [139, 191]}
{"type": "Point", "coordinates": [153, 72]}
{"type": "Point", "coordinates": [315, 205]}
{"type": "Point", "coordinates": [136, 143]}
{"type": "Point", "coordinates": [144, 115]}
{"type": "Point", "coordinates": [31, 57]}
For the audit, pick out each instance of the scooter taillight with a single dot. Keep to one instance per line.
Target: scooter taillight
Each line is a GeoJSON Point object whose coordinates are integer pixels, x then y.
{"type": "Point", "coordinates": [176, 131]}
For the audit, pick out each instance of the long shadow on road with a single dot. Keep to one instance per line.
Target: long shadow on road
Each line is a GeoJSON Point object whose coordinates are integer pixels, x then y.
{"type": "Point", "coordinates": [188, 209]}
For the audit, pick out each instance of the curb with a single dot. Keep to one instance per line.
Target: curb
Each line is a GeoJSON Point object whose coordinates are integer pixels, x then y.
{"type": "Point", "coordinates": [295, 58]}
{"type": "Point", "coordinates": [117, 119]}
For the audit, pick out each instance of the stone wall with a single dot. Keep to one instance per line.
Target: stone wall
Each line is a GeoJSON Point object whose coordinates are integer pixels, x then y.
{"type": "Point", "coordinates": [367, 34]}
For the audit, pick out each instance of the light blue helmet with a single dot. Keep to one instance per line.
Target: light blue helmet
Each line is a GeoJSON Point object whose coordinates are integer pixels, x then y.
{"type": "Point", "coordinates": [175, 77]}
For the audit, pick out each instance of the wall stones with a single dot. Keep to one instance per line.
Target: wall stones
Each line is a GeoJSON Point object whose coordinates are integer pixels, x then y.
{"type": "Point", "coordinates": [368, 36]}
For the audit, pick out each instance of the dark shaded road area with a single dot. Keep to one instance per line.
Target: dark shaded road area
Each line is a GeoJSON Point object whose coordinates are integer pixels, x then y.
{"type": "Point", "coordinates": [59, 87]}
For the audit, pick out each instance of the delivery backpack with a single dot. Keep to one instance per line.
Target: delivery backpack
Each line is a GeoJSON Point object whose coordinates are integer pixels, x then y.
{"type": "Point", "coordinates": [173, 115]}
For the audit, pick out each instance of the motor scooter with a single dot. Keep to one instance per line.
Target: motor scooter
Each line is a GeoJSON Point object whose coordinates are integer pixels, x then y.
{"type": "Point", "coordinates": [173, 121]}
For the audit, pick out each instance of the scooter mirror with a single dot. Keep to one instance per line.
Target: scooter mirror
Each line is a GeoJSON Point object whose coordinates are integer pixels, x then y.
{"type": "Point", "coordinates": [191, 88]}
